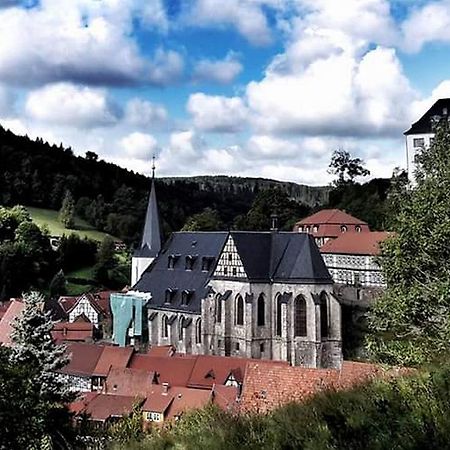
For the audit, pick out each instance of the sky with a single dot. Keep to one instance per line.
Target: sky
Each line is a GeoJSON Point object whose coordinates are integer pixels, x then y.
{"type": "Point", "coordinates": [265, 88]}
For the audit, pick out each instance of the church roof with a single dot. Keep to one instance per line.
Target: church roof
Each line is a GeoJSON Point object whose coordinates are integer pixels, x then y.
{"type": "Point", "coordinates": [266, 257]}
{"type": "Point", "coordinates": [151, 238]}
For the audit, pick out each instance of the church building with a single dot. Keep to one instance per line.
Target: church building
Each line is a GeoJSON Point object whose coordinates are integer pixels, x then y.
{"type": "Point", "coordinates": [262, 295]}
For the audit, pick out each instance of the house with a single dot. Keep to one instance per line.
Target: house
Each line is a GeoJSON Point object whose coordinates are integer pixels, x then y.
{"type": "Point", "coordinates": [81, 331]}
{"type": "Point", "coordinates": [329, 224]}
{"type": "Point", "coordinates": [421, 133]}
{"type": "Point", "coordinates": [249, 294]}
{"type": "Point", "coordinates": [14, 309]}
{"type": "Point", "coordinates": [352, 262]}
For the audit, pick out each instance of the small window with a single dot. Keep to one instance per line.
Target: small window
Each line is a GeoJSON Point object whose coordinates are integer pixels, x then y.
{"type": "Point", "coordinates": [261, 347]}
{"type": "Point", "coordinates": [315, 228]}
{"type": "Point", "coordinates": [418, 142]}
{"type": "Point", "coordinates": [186, 297]}
{"type": "Point", "coordinates": [218, 309]}
{"type": "Point", "coordinates": [206, 263]}
{"type": "Point", "coordinates": [307, 229]}
{"type": "Point", "coordinates": [279, 317]}
{"type": "Point", "coordinates": [180, 328]}
{"type": "Point", "coordinates": [171, 262]}
{"type": "Point", "coordinates": [343, 228]}
{"type": "Point", "coordinates": [190, 262]}
{"type": "Point", "coordinates": [164, 327]}
{"type": "Point", "coordinates": [358, 229]}
{"type": "Point", "coordinates": [300, 229]}
{"type": "Point", "coordinates": [230, 256]}
{"type": "Point", "coordinates": [237, 346]}
{"type": "Point", "coordinates": [219, 343]}
{"type": "Point", "coordinates": [234, 271]}
{"type": "Point", "coordinates": [198, 331]}
{"type": "Point", "coordinates": [239, 310]}
{"type": "Point", "coordinates": [170, 295]}
{"type": "Point", "coordinates": [225, 270]}
{"type": "Point", "coordinates": [261, 311]}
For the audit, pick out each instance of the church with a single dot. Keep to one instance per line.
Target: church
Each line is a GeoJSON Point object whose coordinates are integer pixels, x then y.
{"type": "Point", "coordinates": [262, 295]}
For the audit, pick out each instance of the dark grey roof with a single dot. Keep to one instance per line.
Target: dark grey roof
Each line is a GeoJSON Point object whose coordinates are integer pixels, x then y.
{"type": "Point", "coordinates": [158, 277]}
{"type": "Point", "coordinates": [282, 256]}
{"type": "Point", "coordinates": [266, 256]}
{"type": "Point", "coordinates": [151, 237]}
{"type": "Point", "coordinates": [440, 110]}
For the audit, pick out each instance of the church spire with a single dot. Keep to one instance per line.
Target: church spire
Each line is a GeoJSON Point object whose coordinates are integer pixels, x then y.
{"type": "Point", "coordinates": [151, 238]}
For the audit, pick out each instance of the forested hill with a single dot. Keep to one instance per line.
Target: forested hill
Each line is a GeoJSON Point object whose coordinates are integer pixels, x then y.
{"type": "Point", "coordinates": [113, 199]}
{"type": "Point", "coordinates": [312, 196]}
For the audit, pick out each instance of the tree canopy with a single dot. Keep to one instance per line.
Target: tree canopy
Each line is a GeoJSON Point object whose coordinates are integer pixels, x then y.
{"type": "Point", "coordinates": [346, 168]}
{"type": "Point", "coordinates": [410, 323]}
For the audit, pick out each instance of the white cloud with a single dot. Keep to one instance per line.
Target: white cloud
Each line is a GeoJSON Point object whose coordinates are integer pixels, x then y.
{"type": "Point", "coordinates": [140, 146]}
{"type": "Point", "coordinates": [81, 41]}
{"type": "Point", "coordinates": [142, 113]}
{"type": "Point", "coordinates": [166, 67]}
{"type": "Point", "coordinates": [75, 106]}
{"type": "Point", "coordinates": [217, 113]}
{"type": "Point", "coordinates": [7, 100]}
{"type": "Point", "coordinates": [429, 23]}
{"type": "Point", "coordinates": [220, 71]}
{"type": "Point", "coordinates": [246, 16]}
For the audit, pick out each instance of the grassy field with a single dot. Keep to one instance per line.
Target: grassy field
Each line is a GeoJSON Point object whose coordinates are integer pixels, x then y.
{"type": "Point", "coordinates": [49, 218]}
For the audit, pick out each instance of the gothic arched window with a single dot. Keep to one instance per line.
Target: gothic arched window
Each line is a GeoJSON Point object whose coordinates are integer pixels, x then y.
{"type": "Point", "coordinates": [218, 308]}
{"type": "Point", "coordinates": [164, 327]}
{"type": "Point", "coordinates": [279, 318]}
{"type": "Point", "coordinates": [300, 320]}
{"type": "Point", "coordinates": [261, 311]}
{"type": "Point", "coordinates": [198, 331]}
{"type": "Point", "coordinates": [324, 322]}
{"type": "Point", "coordinates": [180, 328]}
{"type": "Point", "coordinates": [239, 310]}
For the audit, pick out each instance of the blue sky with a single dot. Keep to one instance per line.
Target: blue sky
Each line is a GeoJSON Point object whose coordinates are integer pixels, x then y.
{"type": "Point", "coordinates": [240, 87]}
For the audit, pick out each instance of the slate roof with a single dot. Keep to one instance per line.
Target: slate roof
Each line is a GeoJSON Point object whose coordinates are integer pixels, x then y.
{"type": "Point", "coordinates": [158, 277]}
{"type": "Point", "coordinates": [151, 237]}
{"type": "Point", "coordinates": [266, 256]}
{"type": "Point", "coordinates": [424, 124]}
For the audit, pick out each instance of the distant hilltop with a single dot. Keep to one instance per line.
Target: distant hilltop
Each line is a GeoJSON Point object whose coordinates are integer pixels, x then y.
{"type": "Point", "coordinates": [308, 195]}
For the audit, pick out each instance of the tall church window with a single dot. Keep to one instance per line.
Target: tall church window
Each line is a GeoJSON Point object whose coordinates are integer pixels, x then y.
{"type": "Point", "coordinates": [164, 327]}
{"type": "Point", "coordinates": [239, 310]}
{"type": "Point", "coordinates": [218, 309]}
{"type": "Point", "coordinates": [279, 316]}
{"type": "Point", "coordinates": [300, 316]}
{"type": "Point", "coordinates": [180, 328]}
{"type": "Point", "coordinates": [324, 322]}
{"type": "Point", "coordinates": [198, 331]}
{"type": "Point", "coordinates": [261, 311]}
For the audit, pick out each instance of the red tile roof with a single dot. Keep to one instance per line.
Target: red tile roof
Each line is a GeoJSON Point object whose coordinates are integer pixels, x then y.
{"type": "Point", "coordinates": [129, 382]}
{"type": "Point", "coordinates": [162, 350]}
{"type": "Point", "coordinates": [4, 307]}
{"type": "Point", "coordinates": [99, 301]}
{"type": "Point", "coordinates": [15, 308]}
{"type": "Point", "coordinates": [175, 371]}
{"type": "Point", "coordinates": [112, 356]}
{"type": "Point", "coordinates": [76, 331]}
{"type": "Point", "coordinates": [83, 359]}
{"type": "Point", "coordinates": [67, 303]}
{"type": "Point", "coordinates": [329, 223]}
{"type": "Point", "coordinates": [158, 400]}
{"type": "Point", "coordinates": [103, 406]}
{"type": "Point", "coordinates": [225, 397]}
{"type": "Point", "coordinates": [267, 386]}
{"type": "Point", "coordinates": [356, 243]}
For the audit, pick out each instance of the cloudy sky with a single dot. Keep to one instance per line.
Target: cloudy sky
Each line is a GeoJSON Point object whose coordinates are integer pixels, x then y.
{"type": "Point", "coordinates": [241, 87]}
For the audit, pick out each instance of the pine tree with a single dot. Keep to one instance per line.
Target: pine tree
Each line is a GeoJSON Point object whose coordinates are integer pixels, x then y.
{"type": "Point", "coordinates": [410, 323]}
{"type": "Point", "coordinates": [58, 285]}
{"type": "Point", "coordinates": [67, 211]}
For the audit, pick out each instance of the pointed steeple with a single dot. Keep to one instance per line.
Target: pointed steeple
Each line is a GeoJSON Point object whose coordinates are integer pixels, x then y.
{"type": "Point", "coordinates": [151, 238]}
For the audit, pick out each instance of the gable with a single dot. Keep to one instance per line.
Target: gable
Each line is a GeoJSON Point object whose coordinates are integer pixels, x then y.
{"type": "Point", "coordinates": [230, 263]}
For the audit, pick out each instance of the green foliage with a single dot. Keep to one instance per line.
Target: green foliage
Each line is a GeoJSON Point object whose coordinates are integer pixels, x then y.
{"type": "Point", "coordinates": [76, 252]}
{"type": "Point", "coordinates": [67, 211]}
{"type": "Point", "coordinates": [58, 285]}
{"type": "Point", "coordinates": [404, 413]}
{"type": "Point", "coordinates": [346, 168]}
{"type": "Point", "coordinates": [207, 220]}
{"type": "Point", "coordinates": [129, 429]}
{"type": "Point", "coordinates": [410, 324]}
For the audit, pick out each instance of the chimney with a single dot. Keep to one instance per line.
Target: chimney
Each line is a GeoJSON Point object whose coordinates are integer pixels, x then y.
{"type": "Point", "coordinates": [165, 388]}
{"type": "Point", "coordinates": [274, 219]}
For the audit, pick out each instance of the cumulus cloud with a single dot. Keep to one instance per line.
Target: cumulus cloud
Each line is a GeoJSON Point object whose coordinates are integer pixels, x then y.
{"type": "Point", "coordinates": [7, 100]}
{"type": "Point", "coordinates": [220, 71]}
{"type": "Point", "coordinates": [166, 67]}
{"type": "Point", "coordinates": [140, 146]}
{"type": "Point", "coordinates": [142, 113]}
{"type": "Point", "coordinates": [246, 16]}
{"type": "Point", "coordinates": [70, 105]}
{"type": "Point", "coordinates": [81, 41]}
{"type": "Point", "coordinates": [217, 113]}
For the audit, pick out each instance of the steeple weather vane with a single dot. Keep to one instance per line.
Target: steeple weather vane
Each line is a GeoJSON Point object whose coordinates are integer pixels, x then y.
{"type": "Point", "coordinates": [153, 166]}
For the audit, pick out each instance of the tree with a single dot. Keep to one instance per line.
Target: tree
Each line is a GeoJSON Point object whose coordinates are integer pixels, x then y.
{"type": "Point", "coordinates": [58, 285]}
{"type": "Point", "coordinates": [67, 211]}
{"type": "Point", "coordinates": [410, 323]}
{"type": "Point", "coordinates": [346, 167]}
{"type": "Point", "coordinates": [207, 220]}
{"type": "Point", "coordinates": [37, 356]}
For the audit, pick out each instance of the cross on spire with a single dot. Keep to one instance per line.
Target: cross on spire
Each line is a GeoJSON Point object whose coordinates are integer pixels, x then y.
{"type": "Point", "coordinates": [153, 167]}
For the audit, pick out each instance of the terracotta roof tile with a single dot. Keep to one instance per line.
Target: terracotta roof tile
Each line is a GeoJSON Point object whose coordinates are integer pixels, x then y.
{"type": "Point", "coordinates": [83, 358]}
{"type": "Point", "coordinates": [75, 331]}
{"type": "Point", "coordinates": [356, 243]}
{"type": "Point", "coordinates": [162, 350]}
{"type": "Point", "coordinates": [104, 406]}
{"type": "Point", "coordinates": [15, 308]}
{"type": "Point", "coordinates": [225, 397]}
{"type": "Point", "coordinates": [185, 399]}
{"type": "Point", "coordinates": [112, 356]}
{"type": "Point", "coordinates": [129, 382]}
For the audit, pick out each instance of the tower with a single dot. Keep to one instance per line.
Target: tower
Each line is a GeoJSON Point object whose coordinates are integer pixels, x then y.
{"type": "Point", "coordinates": [151, 238]}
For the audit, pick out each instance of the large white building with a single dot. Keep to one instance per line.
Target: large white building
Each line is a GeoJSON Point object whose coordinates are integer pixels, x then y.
{"type": "Point", "coordinates": [421, 134]}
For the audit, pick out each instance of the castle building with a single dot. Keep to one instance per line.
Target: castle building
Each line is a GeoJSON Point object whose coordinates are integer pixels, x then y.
{"type": "Point", "coordinates": [421, 133]}
{"type": "Point", "coordinates": [328, 224]}
{"type": "Point", "coordinates": [262, 295]}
